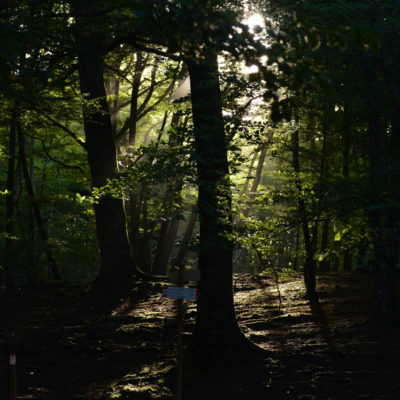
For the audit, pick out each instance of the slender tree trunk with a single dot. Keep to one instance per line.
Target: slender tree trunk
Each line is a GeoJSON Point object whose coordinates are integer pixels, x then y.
{"type": "Point", "coordinates": [112, 86]}
{"type": "Point", "coordinates": [257, 179]}
{"type": "Point", "coordinates": [250, 171]}
{"type": "Point", "coordinates": [9, 228]}
{"type": "Point", "coordinates": [309, 262]}
{"type": "Point", "coordinates": [347, 255]}
{"type": "Point", "coordinates": [383, 221]}
{"type": "Point", "coordinates": [324, 173]}
{"type": "Point", "coordinates": [44, 237]}
{"type": "Point", "coordinates": [168, 232]}
{"type": "Point", "coordinates": [297, 248]}
{"type": "Point", "coordinates": [31, 222]}
{"type": "Point", "coordinates": [112, 89]}
{"type": "Point", "coordinates": [324, 265]}
{"type": "Point", "coordinates": [139, 68]}
{"type": "Point", "coordinates": [143, 255]}
{"type": "Point", "coordinates": [160, 262]}
{"type": "Point", "coordinates": [216, 329]}
{"type": "Point", "coordinates": [171, 235]}
{"type": "Point", "coordinates": [117, 270]}
{"type": "Point", "coordinates": [31, 246]}
{"type": "Point", "coordinates": [169, 227]}
{"type": "Point", "coordinates": [137, 208]}
{"type": "Point", "coordinates": [187, 236]}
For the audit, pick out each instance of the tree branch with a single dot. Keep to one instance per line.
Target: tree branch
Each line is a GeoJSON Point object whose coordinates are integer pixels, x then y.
{"type": "Point", "coordinates": [61, 162]}
{"type": "Point", "coordinates": [65, 129]}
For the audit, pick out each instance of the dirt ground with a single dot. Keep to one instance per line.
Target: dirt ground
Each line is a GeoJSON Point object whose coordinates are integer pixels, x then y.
{"type": "Point", "coordinates": [323, 350]}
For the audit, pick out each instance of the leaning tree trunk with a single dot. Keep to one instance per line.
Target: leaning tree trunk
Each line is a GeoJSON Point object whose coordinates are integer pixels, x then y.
{"type": "Point", "coordinates": [117, 271]}
{"type": "Point", "coordinates": [216, 331]}
{"type": "Point", "coordinates": [257, 180]}
{"type": "Point", "coordinates": [249, 176]}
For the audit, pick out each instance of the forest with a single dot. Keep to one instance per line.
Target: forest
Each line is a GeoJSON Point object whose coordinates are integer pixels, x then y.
{"type": "Point", "coordinates": [245, 153]}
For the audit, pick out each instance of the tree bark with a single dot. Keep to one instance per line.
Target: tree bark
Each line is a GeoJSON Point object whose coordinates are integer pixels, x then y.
{"type": "Point", "coordinates": [216, 330]}
{"type": "Point", "coordinates": [180, 257]}
{"type": "Point", "coordinates": [257, 179]}
{"type": "Point", "coordinates": [9, 228]}
{"type": "Point", "coordinates": [250, 171]}
{"type": "Point", "coordinates": [324, 265]}
{"type": "Point", "coordinates": [347, 254]}
{"type": "Point", "coordinates": [44, 237]}
{"type": "Point", "coordinates": [169, 227]}
{"type": "Point", "coordinates": [296, 249]}
{"type": "Point", "coordinates": [384, 226]}
{"type": "Point", "coordinates": [139, 68]}
{"type": "Point", "coordinates": [309, 239]}
{"type": "Point", "coordinates": [117, 270]}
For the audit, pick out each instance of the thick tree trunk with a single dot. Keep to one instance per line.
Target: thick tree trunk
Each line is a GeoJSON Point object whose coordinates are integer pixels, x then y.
{"type": "Point", "coordinates": [216, 329]}
{"type": "Point", "coordinates": [383, 229]}
{"type": "Point", "coordinates": [393, 215]}
{"type": "Point", "coordinates": [117, 270]}
{"type": "Point", "coordinates": [383, 213]}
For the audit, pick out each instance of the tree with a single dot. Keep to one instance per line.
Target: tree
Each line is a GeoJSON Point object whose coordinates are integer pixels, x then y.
{"type": "Point", "coordinates": [117, 270]}
{"type": "Point", "coordinates": [351, 33]}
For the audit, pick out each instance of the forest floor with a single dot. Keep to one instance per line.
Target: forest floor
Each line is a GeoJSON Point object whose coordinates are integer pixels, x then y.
{"type": "Point", "coordinates": [322, 350]}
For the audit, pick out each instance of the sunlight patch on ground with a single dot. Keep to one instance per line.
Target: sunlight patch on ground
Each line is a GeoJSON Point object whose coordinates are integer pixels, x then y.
{"type": "Point", "coordinates": [149, 381]}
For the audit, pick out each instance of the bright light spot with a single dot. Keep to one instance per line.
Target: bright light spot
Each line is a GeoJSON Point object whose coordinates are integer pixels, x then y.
{"type": "Point", "coordinates": [256, 24]}
{"type": "Point", "coordinates": [253, 69]}
{"type": "Point", "coordinates": [254, 20]}
{"type": "Point", "coordinates": [250, 70]}
{"type": "Point", "coordinates": [183, 90]}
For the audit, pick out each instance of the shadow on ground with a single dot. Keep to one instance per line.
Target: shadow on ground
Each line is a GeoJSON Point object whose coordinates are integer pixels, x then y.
{"type": "Point", "coordinates": [319, 349]}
